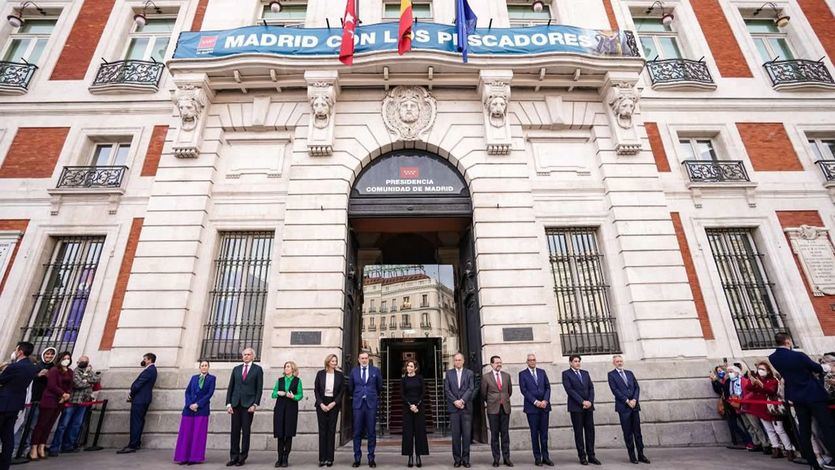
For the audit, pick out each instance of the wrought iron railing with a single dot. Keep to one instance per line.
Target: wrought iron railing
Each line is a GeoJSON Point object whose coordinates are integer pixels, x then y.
{"type": "Point", "coordinates": [798, 71]}
{"type": "Point", "coordinates": [92, 177]}
{"type": "Point", "coordinates": [632, 44]}
{"type": "Point", "coordinates": [129, 72]}
{"type": "Point", "coordinates": [702, 171]}
{"type": "Point", "coordinates": [827, 168]}
{"type": "Point", "coordinates": [405, 326]}
{"type": "Point", "coordinates": [670, 71]}
{"type": "Point", "coordinates": [14, 75]}
{"type": "Point", "coordinates": [426, 326]}
{"type": "Point", "coordinates": [372, 327]}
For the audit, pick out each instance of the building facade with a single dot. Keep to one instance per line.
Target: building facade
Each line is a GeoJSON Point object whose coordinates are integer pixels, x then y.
{"type": "Point", "coordinates": [670, 200]}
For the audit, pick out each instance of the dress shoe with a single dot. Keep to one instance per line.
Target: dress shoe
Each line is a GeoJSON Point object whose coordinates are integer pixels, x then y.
{"type": "Point", "coordinates": [56, 454]}
{"type": "Point", "coordinates": [547, 462]}
{"type": "Point", "coordinates": [508, 463]}
{"type": "Point", "coordinates": [329, 464]}
{"type": "Point", "coordinates": [126, 450]}
{"type": "Point", "coordinates": [495, 463]}
{"type": "Point", "coordinates": [240, 463]}
{"type": "Point", "coordinates": [356, 464]}
{"type": "Point", "coordinates": [411, 462]}
{"type": "Point", "coordinates": [231, 463]}
{"type": "Point", "coordinates": [583, 461]}
{"type": "Point", "coordinates": [633, 460]}
{"type": "Point", "coordinates": [321, 463]}
{"type": "Point", "coordinates": [372, 464]}
{"type": "Point", "coordinates": [466, 464]}
{"type": "Point", "coordinates": [278, 463]}
{"type": "Point", "coordinates": [538, 463]}
{"type": "Point", "coordinates": [456, 464]}
{"type": "Point", "coordinates": [418, 463]}
{"type": "Point", "coordinates": [594, 461]}
{"type": "Point", "coordinates": [643, 458]}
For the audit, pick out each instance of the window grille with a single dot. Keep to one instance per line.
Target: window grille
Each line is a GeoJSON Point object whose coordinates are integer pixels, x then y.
{"type": "Point", "coordinates": [238, 296]}
{"type": "Point", "coordinates": [747, 289]}
{"type": "Point", "coordinates": [587, 325]}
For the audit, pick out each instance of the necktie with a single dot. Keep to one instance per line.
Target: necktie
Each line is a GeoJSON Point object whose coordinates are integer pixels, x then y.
{"type": "Point", "coordinates": [579, 375]}
{"type": "Point", "coordinates": [533, 372]}
{"type": "Point", "coordinates": [200, 381]}
{"type": "Point", "coordinates": [246, 371]}
{"type": "Point", "coordinates": [363, 375]}
{"type": "Point", "coordinates": [499, 380]}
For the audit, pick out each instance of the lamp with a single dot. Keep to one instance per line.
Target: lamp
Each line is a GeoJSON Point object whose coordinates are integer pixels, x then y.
{"type": "Point", "coordinates": [666, 16]}
{"type": "Point", "coordinates": [141, 18]}
{"type": "Point", "coordinates": [538, 6]}
{"type": "Point", "coordinates": [16, 21]}
{"type": "Point", "coordinates": [780, 19]}
{"type": "Point", "coordinates": [275, 6]}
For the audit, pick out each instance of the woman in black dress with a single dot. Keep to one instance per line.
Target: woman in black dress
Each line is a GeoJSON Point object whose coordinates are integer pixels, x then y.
{"type": "Point", "coordinates": [287, 393]}
{"type": "Point", "coordinates": [414, 419]}
{"type": "Point", "coordinates": [328, 390]}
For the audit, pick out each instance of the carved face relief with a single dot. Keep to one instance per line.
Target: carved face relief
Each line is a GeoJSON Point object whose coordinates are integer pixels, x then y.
{"type": "Point", "coordinates": [321, 106]}
{"type": "Point", "coordinates": [189, 109]}
{"type": "Point", "coordinates": [497, 108]}
{"type": "Point", "coordinates": [409, 111]}
{"type": "Point", "coordinates": [624, 107]}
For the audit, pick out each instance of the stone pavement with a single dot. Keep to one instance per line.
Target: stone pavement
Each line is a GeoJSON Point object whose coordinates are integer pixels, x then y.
{"type": "Point", "coordinates": [687, 458]}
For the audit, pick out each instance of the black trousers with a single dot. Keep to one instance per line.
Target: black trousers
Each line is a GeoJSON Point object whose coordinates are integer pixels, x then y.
{"type": "Point", "coordinates": [137, 423]}
{"type": "Point", "coordinates": [499, 428]}
{"type": "Point", "coordinates": [7, 420]}
{"type": "Point", "coordinates": [583, 424]}
{"type": "Point", "coordinates": [462, 434]}
{"type": "Point", "coordinates": [414, 440]}
{"type": "Point", "coordinates": [241, 424]}
{"type": "Point", "coordinates": [630, 423]}
{"type": "Point", "coordinates": [826, 426]}
{"type": "Point", "coordinates": [327, 431]}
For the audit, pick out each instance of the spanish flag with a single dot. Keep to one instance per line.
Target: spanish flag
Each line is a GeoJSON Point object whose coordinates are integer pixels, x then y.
{"type": "Point", "coordinates": [405, 33]}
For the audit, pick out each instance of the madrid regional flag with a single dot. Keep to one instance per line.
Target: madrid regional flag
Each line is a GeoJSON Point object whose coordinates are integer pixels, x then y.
{"type": "Point", "coordinates": [349, 26]}
{"type": "Point", "coordinates": [405, 33]}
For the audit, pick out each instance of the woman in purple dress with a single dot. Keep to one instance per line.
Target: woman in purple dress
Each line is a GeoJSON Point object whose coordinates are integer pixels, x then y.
{"type": "Point", "coordinates": [194, 426]}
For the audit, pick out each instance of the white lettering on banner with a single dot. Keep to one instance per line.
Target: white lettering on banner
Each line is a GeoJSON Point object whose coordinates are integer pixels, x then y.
{"type": "Point", "coordinates": [269, 39]}
{"type": "Point", "coordinates": [334, 41]}
{"type": "Point", "coordinates": [234, 41]}
{"type": "Point", "coordinates": [389, 38]}
{"type": "Point", "coordinates": [444, 36]}
{"type": "Point", "coordinates": [422, 35]}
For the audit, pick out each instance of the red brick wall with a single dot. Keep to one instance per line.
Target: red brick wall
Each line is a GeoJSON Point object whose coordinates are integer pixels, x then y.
{"type": "Point", "coordinates": [152, 156]}
{"type": "Point", "coordinates": [12, 224]}
{"type": "Point", "coordinates": [822, 19]}
{"type": "Point", "coordinates": [83, 39]}
{"type": "Point", "coordinates": [768, 146]}
{"type": "Point", "coordinates": [610, 14]}
{"type": "Point", "coordinates": [692, 278]}
{"type": "Point", "coordinates": [720, 39]}
{"type": "Point", "coordinates": [118, 298]}
{"type": "Point", "coordinates": [197, 24]}
{"type": "Point", "coordinates": [823, 305]}
{"type": "Point", "coordinates": [657, 147]}
{"type": "Point", "coordinates": [34, 152]}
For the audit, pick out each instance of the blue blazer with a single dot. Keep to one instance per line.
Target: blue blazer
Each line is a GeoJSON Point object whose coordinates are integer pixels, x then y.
{"type": "Point", "coordinates": [142, 389]}
{"type": "Point", "coordinates": [201, 396]}
{"type": "Point", "coordinates": [533, 391]}
{"type": "Point", "coordinates": [370, 388]}
{"type": "Point", "coordinates": [802, 386]}
{"type": "Point", "coordinates": [577, 391]}
{"type": "Point", "coordinates": [623, 392]}
{"type": "Point", "coordinates": [14, 381]}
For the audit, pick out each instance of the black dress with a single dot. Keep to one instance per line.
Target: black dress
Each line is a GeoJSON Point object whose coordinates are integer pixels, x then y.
{"type": "Point", "coordinates": [286, 411]}
{"type": "Point", "coordinates": [414, 424]}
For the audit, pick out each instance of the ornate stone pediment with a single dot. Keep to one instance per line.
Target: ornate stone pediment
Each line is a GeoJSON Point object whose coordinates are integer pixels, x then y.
{"type": "Point", "coordinates": [409, 112]}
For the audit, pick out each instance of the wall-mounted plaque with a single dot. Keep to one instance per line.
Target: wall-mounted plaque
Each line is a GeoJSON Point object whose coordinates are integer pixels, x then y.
{"type": "Point", "coordinates": [517, 334]}
{"type": "Point", "coordinates": [814, 250]}
{"type": "Point", "coordinates": [305, 337]}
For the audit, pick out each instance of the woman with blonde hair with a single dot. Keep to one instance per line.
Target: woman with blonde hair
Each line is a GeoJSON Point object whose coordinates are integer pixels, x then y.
{"type": "Point", "coordinates": [328, 388]}
{"type": "Point", "coordinates": [287, 394]}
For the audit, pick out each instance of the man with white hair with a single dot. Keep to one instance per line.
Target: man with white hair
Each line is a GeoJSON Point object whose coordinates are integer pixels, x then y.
{"type": "Point", "coordinates": [627, 394]}
{"type": "Point", "coordinates": [242, 398]}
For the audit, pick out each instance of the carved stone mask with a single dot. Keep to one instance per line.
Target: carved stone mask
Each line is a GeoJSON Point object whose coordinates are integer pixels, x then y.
{"type": "Point", "coordinates": [498, 107]}
{"type": "Point", "coordinates": [409, 109]}
{"type": "Point", "coordinates": [321, 106]}
{"type": "Point", "coordinates": [189, 109]}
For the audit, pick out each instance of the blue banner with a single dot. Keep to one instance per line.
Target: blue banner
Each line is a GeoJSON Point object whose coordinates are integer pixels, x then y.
{"type": "Point", "coordinates": [279, 40]}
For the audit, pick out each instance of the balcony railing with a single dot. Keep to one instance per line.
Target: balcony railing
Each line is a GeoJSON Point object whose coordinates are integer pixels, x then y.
{"type": "Point", "coordinates": [798, 73]}
{"type": "Point", "coordinates": [91, 177]}
{"type": "Point", "coordinates": [405, 326]}
{"type": "Point", "coordinates": [383, 326]}
{"type": "Point", "coordinates": [15, 77]}
{"type": "Point", "coordinates": [827, 168]}
{"type": "Point", "coordinates": [128, 75]}
{"type": "Point", "coordinates": [372, 328]}
{"type": "Point", "coordinates": [406, 307]}
{"type": "Point", "coordinates": [700, 171]}
{"type": "Point", "coordinates": [679, 72]}
{"type": "Point", "coordinates": [426, 326]}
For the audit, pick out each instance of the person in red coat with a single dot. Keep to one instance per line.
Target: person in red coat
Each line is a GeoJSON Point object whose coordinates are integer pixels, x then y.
{"type": "Point", "coordinates": [761, 386]}
{"type": "Point", "coordinates": [58, 390]}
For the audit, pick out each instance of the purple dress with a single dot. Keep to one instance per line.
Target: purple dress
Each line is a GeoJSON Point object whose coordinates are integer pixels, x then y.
{"type": "Point", "coordinates": [194, 425]}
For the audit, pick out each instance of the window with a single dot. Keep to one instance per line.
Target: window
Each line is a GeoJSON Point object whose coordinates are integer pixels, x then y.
{"type": "Point", "coordinates": [61, 300]}
{"type": "Point", "coordinates": [392, 323]}
{"type": "Point", "coordinates": [424, 320]}
{"type": "Point", "coordinates": [407, 321]}
{"type": "Point", "coordinates": [110, 154]}
{"type": "Point", "coordinates": [771, 43]}
{"type": "Point", "coordinates": [587, 325]}
{"type": "Point", "coordinates": [393, 305]}
{"type": "Point", "coordinates": [657, 39]}
{"type": "Point", "coordinates": [424, 300]}
{"type": "Point", "coordinates": [522, 14]}
{"type": "Point", "coordinates": [420, 11]}
{"type": "Point", "coordinates": [150, 42]}
{"type": "Point", "coordinates": [824, 149]}
{"type": "Point", "coordinates": [383, 306]}
{"type": "Point", "coordinates": [27, 43]}
{"type": "Point", "coordinates": [371, 306]}
{"type": "Point", "coordinates": [290, 14]}
{"type": "Point", "coordinates": [754, 310]}
{"type": "Point", "coordinates": [238, 296]}
{"type": "Point", "coordinates": [371, 322]}
{"type": "Point", "coordinates": [407, 304]}
{"type": "Point", "coordinates": [697, 149]}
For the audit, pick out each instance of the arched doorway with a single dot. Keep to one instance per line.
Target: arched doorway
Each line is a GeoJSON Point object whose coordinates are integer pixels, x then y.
{"type": "Point", "coordinates": [411, 289]}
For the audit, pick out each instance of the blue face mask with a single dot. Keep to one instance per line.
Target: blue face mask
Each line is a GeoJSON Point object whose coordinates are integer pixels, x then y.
{"type": "Point", "coordinates": [720, 374]}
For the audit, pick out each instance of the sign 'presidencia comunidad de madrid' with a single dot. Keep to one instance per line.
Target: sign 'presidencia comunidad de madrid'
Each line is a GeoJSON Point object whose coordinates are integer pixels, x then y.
{"type": "Point", "coordinates": [383, 37]}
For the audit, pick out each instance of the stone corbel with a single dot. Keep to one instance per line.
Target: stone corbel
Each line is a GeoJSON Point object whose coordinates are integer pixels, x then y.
{"type": "Point", "coordinates": [495, 96]}
{"type": "Point", "coordinates": [322, 90]}
{"type": "Point", "coordinates": [192, 98]}
{"type": "Point", "coordinates": [620, 97]}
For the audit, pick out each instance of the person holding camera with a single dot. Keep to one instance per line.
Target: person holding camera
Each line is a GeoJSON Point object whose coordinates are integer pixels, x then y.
{"type": "Point", "coordinates": [65, 438]}
{"type": "Point", "coordinates": [58, 391]}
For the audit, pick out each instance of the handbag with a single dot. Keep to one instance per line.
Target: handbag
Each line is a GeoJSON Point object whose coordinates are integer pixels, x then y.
{"type": "Point", "coordinates": [720, 407]}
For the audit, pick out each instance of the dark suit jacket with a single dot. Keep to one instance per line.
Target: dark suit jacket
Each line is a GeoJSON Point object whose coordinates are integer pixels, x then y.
{"type": "Point", "coordinates": [14, 381]}
{"type": "Point", "coordinates": [534, 391]}
{"type": "Point", "coordinates": [201, 396]}
{"type": "Point", "coordinates": [577, 391]}
{"type": "Point", "coordinates": [623, 392]}
{"type": "Point", "coordinates": [371, 388]}
{"type": "Point", "coordinates": [142, 389]}
{"type": "Point", "coordinates": [454, 393]}
{"type": "Point", "coordinates": [338, 387]}
{"type": "Point", "coordinates": [245, 393]}
{"type": "Point", "coordinates": [491, 394]}
{"type": "Point", "coordinates": [798, 371]}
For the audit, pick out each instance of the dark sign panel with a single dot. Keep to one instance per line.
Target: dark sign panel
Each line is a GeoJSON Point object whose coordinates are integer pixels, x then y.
{"type": "Point", "coordinates": [410, 173]}
{"type": "Point", "coordinates": [517, 334]}
{"type": "Point", "coordinates": [305, 337]}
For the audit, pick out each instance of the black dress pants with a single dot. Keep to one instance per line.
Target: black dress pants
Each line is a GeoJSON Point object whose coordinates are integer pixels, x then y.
{"type": "Point", "coordinates": [583, 424]}
{"type": "Point", "coordinates": [461, 423]}
{"type": "Point", "coordinates": [241, 425]}
{"type": "Point", "coordinates": [499, 428]}
{"type": "Point", "coordinates": [327, 431]}
{"type": "Point", "coordinates": [826, 427]}
{"type": "Point", "coordinates": [630, 423]}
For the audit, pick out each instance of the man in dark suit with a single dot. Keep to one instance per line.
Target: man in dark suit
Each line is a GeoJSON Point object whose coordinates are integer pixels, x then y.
{"type": "Point", "coordinates": [365, 384]}
{"type": "Point", "coordinates": [804, 389]}
{"type": "Point", "coordinates": [14, 380]}
{"type": "Point", "coordinates": [580, 390]}
{"type": "Point", "coordinates": [140, 396]}
{"type": "Point", "coordinates": [536, 390]}
{"type": "Point", "coordinates": [243, 396]}
{"type": "Point", "coordinates": [459, 387]}
{"type": "Point", "coordinates": [496, 389]}
{"type": "Point", "coordinates": [627, 394]}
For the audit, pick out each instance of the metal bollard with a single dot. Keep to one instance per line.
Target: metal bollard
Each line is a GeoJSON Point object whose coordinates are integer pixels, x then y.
{"type": "Point", "coordinates": [95, 446]}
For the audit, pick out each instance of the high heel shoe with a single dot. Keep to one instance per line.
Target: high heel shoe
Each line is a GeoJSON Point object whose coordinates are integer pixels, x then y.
{"type": "Point", "coordinates": [411, 462]}
{"type": "Point", "coordinates": [418, 464]}
{"type": "Point", "coordinates": [42, 451]}
{"type": "Point", "coordinates": [33, 453]}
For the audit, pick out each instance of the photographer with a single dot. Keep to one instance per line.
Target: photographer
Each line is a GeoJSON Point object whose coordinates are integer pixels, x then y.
{"type": "Point", "coordinates": [66, 435]}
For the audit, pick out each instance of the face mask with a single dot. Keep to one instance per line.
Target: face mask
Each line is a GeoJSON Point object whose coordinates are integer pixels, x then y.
{"type": "Point", "coordinates": [720, 374]}
{"type": "Point", "coordinates": [14, 355]}
{"type": "Point", "coordinates": [83, 365]}
{"type": "Point", "coordinates": [142, 364]}
{"type": "Point", "coordinates": [732, 376]}
{"type": "Point", "coordinates": [762, 373]}
{"type": "Point", "coordinates": [65, 362]}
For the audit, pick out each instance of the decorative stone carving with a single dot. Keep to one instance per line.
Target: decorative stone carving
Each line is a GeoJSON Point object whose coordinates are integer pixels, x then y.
{"type": "Point", "coordinates": [623, 107]}
{"type": "Point", "coordinates": [409, 111]}
{"type": "Point", "coordinates": [495, 95]}
{"type": "Point", "coordinates": [816, 255]}
{"type": "Point", "coordinates": [322, 88]}
{"type": "Point", "coordinates": [192, 98]}
{"type": "Point", "coordinates": [621, 96]}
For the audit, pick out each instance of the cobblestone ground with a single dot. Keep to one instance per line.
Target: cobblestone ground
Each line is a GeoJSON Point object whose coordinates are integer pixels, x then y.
{"type": "Point", "coordinates": [690, 458]}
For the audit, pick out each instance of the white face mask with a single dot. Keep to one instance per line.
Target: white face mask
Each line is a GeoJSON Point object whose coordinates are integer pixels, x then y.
{"type": "Point", "coordinates": [762, 373]}
{"type": "Point", "coordinates": [65, 362]}
{"type": "Point", "coordinates": [732, 375]}
{"type": "Point", "coordinates": [14, 355]}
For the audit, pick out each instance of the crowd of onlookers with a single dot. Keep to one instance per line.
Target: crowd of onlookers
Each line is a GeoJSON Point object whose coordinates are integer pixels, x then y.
{"type": "Point", "coordinates": [788, 415]}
